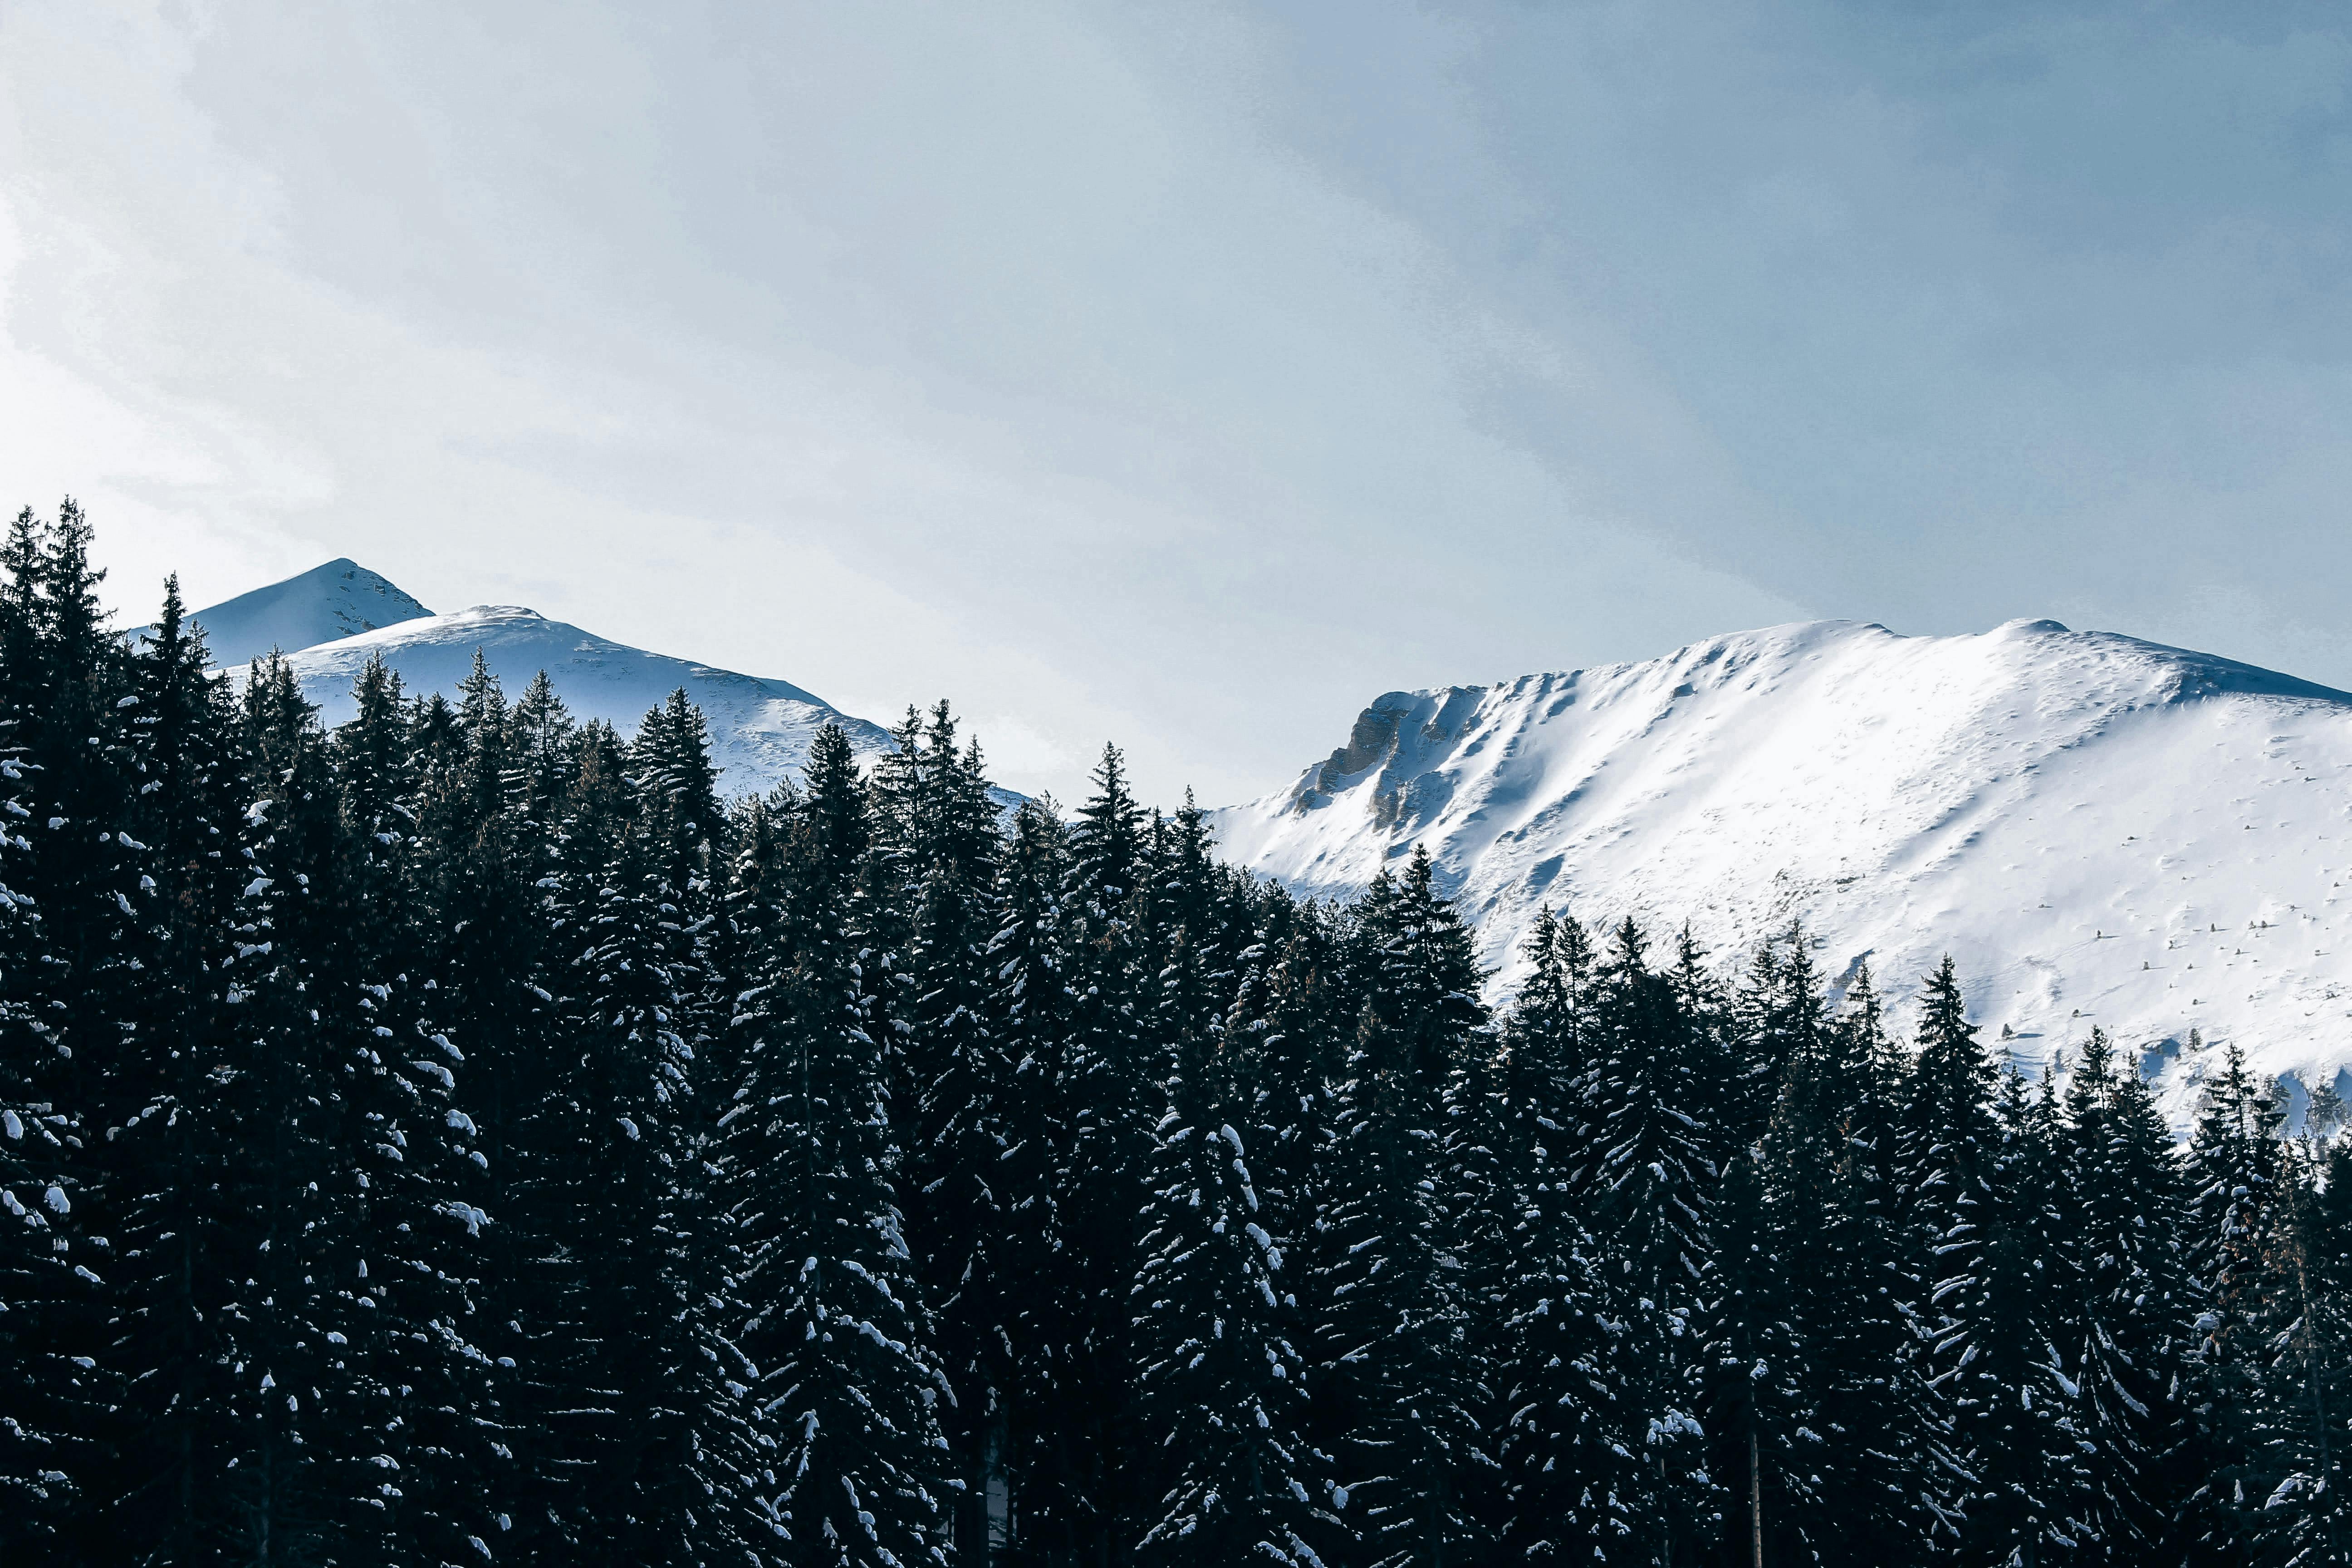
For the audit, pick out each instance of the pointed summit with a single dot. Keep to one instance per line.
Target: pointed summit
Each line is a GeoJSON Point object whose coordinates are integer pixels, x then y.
{"type": "Point", "coordinates": [326, 604]}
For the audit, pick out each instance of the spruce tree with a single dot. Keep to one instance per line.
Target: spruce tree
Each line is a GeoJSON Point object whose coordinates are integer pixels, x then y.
{"type": "Point", "coordinates": [1403, 1378]}
{"type": "Point", "coordinates": [2016, 1403]}
{"type": "Point", "coordinates": [2301, 1425]}
{"type": "Point", "coordinates": [1220, 1383]}
{"type": "Point", "coordinates": [2235, 1163]}
{"type": "Point", "coordinates": [1098, 1201]}
{"type": "Point", "coordinates": [1033, 1503]}
{"type": "Point", "coordinates": [2122, 1188]}
{"type": "Point", "coordinates": [848, 1386]}
{"type": "Point", "coordinates": [1885, 1438]}
{"type": "Point", "coordinates": [935, 825]}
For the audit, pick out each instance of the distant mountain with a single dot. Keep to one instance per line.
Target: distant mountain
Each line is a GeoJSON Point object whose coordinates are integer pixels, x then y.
{"type": "Point", "coordinates": [759, 730]}
{"type": "Point", "coordinates": [2099, 830]}
{"type": "Point", "coordinates": [341, 599]}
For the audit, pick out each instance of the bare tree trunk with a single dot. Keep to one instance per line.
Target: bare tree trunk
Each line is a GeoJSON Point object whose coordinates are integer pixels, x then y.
{"type": "Point", "coordinates": [1755, 1498]}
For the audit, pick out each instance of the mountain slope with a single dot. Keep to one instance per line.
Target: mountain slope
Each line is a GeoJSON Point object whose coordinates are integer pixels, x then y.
{"type": "Point", "coordinates": [759, 730]}
{"type": "Point", "coordinates": [340, 599]}
{"type": "Point", "coordinates": [2100, 830]}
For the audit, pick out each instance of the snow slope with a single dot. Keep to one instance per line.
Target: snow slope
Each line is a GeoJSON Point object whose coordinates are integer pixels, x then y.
{"type": "Point", "coordinates": [336, 600]}
{"type": "Point", "coordinates": [2099, 830]}
{"type": "Point", "coordinates": [761, 730]}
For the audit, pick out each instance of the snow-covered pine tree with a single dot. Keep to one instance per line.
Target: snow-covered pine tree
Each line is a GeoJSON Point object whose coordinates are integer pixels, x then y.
{"type": "Point", "coordinates": [1644, 1179]}
{"type": "Point", "coordinates": [848, 1386]}
{"type": "Point", "coordinates": [1767, 1452]}
{"type": "Point", "coordinates": [1220, 1381]}
{"type": "Point", "coordinates": [57, 684]}
{"type": "Point", "coordinates": [1108, 1063]}
{"type": "Point", "coordinates": [704, 1452]}
{"type": "Point", "coordinates": [485, 952]}
{"type": "Point", "coordinates": [640, 1402]}
{"type": "Point", "coordinates": [1403, 1378]}
{"type": "Point", "coordinates": [1297, 1005]}
{"type": "Point", "coordinates": [374, 1253]}
{"type": "Point", "coordinates": [2303, 1422]}
{"type": "Point", "coordinates": [2015, 1402]}
{"type": "Point", "coordinates": [1948, 1142]}
{"type": "Point", "coordinates": [2235, 1163]}
{"type": "Point", "coordinates": [1032, 1504]}
{"type": "Point", "coordinates": [1566, 1478]}
{"type": "Point", "coordinates": [2125, 1336]}
{"type": "Point", "coordinates": [166, 1137]}
{"type": "Point", "coordinates": [1884, 1451]}
{"type": "Point", "coordinates": [937, 848]}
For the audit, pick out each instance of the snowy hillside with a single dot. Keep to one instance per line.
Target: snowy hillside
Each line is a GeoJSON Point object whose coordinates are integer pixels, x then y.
{"type": "Point", "coordinates": [340, 599]}
{"type": "Point", "coordinates": [759, 730]}
{"type": "Point", "coordinates": [2100, 830]}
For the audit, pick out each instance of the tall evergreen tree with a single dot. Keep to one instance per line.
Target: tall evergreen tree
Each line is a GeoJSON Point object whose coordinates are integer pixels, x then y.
{"type": "Point", "coordinates": [847, 1385]}
{"type": "Point", "coordinates": [1402, 1377]}
{"type": "Point", "coordinates": [1219, 1377]}
{"type": "Point", "coordinates": [2122, 1195]}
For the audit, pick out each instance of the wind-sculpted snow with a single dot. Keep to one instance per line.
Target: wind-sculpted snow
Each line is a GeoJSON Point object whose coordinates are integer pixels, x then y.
{"type": "Point", "coordinates": [761, 730]}
{"type": "Point", "coordinates": [2100, 830]}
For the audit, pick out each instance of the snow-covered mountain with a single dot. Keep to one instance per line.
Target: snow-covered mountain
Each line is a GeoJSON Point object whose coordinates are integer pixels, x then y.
{"type": "Point", "coordinates": [761, 730]}
{"type": "Point", "coordinates": [340, 599]}
{"type": "Point", "coordinates": [2099, 830]}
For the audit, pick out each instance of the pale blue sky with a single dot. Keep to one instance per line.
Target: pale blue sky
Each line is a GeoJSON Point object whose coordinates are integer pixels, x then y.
{"type": "Point", "coordinates": [1189, 374]}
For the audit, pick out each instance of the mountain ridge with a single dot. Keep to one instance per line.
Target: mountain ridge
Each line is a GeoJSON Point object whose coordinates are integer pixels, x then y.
{"type": "Point", "coordinates": [1986, 794]}
{"type": "Point", "coordinates": [761, 730]}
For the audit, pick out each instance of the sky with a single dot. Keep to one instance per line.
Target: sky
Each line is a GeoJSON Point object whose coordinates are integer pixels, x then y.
{"type": "Point", "coordinates": [1187, 376]}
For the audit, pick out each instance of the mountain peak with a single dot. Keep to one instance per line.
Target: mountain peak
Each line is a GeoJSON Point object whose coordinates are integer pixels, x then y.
{"type": "Point", "coordinates": [2073, 815]}
{"type": "Point", "coordinates": [339, 599]}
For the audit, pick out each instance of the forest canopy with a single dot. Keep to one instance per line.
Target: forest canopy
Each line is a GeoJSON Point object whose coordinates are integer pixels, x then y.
{"type": "Point", "coordinates": [463, 1136]}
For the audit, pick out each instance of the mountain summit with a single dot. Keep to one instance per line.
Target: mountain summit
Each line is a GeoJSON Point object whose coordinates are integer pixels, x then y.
{"type": "Point", "coordinates": [759, 730]}
{"type": "Point", "coordinates": [341, 599]}
{"type": "Point", "coordinates": [2100, 830]}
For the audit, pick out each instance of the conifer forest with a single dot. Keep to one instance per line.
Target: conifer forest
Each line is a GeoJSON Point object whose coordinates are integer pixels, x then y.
{"type": "Point", "coordinates": [464, 1137]}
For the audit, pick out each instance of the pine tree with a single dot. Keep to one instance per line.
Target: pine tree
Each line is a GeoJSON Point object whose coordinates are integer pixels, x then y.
{"type": "Point", "coordinates": [50, 1437]}
{"type": "Point", "coordinates": [1836, 1177]}
{"type": "Point", "coordinates": [937, 856]}
{"type": "Point", "coordinates": [1100, 1183]}
{"type": "Point", "coordinates": [1644, 1178]}
{"type": "Point", "coordinates": [2234, 1167]}
{"type": "Point", "coordinates": [1566, 1477]}
{"type": "Point", "coordinates": [166, 1138]}
{"type": "Point", "coordinates": [1947, 1144]}
{"type": "Point", "coordinates": [1768, 1455]}
{"type": "Point", "coordinates": [616, 1148]}
{"type": "Point", "coordinates": [1403, 1381]}
{"type": "Point", "coordinates": [1219, 1377]}
{"type": "Point", "coordinates": [848, 1386]}
{"type": "Point", "coordinates": [2016, 1403]}
{"type": "Point", "coordinates": [2301, 1428]}
{"type": "Point", "coordinates": [1031, 1503]}
{"type": "Point", "coordinates": [486, 942]}
{"type": "Point", "coordinates": [2122, 1189]}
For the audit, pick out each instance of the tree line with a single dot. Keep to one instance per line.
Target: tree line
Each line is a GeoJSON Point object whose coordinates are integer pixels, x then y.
{"type": "Point", "coordinates": [464, 1137]}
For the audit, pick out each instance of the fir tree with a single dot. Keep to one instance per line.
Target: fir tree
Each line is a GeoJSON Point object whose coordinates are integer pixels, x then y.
{"type": "Point", "coordinates": [937, 858]}
{"type": "Point", "coordinates": [1219, 1377]}
{"type": "Point", "coordinates": [847, 1387]}
{"type": "Point", "coordinates": [2122, 1189]}
{"type": "Point", "coordinates": [1101, 1181]}
{"type": "Point", "coordinates": [1402, 1376]}
{"type": "Point", "coordinates": [1033, 1503]}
